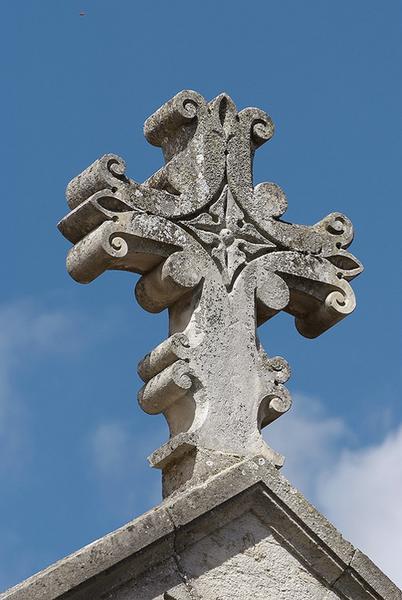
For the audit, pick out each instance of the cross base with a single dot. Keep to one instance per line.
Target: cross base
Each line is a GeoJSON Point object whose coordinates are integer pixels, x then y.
{"type": "Point", "coordinates": [185, 463]}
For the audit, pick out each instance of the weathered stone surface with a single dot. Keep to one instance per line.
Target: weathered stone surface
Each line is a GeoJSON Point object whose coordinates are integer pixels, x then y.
{"type": "Point", "coordinates": [212, 248]}
{"type": "Point", "coordinates": [242, 533]}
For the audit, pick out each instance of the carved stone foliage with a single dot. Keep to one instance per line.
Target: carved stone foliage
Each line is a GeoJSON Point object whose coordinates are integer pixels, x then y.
{"type": "Point", "coordinates": [211, 248]}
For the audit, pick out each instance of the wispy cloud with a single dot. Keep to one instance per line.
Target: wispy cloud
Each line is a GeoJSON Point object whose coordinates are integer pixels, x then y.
{"type": "Point", "coordinates": [118, 457]}
{"type": "Point", "coordinates": [309, 439]}
{"type": "Point", "coordinates": [358, 489]}
{"type": "Point", "coordinates": [28, 333]}
{"type": "Point", "coordinates": [111, 447]}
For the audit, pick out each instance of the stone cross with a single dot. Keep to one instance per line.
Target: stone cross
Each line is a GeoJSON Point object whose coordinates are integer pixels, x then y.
{"type": "Point", "coordinates": [212, 249]}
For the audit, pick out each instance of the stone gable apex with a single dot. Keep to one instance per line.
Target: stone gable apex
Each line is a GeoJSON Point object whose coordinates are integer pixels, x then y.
{"type": "Point", "coordinates": [247, 522]}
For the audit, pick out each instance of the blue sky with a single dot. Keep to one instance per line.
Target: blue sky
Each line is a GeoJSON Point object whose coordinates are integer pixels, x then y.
{"type": "Point", "coordinates": [73, 443]}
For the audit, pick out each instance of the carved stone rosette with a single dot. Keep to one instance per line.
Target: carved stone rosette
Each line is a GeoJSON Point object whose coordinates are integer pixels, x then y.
{"type": "Point", "coordinates": [211, 248]}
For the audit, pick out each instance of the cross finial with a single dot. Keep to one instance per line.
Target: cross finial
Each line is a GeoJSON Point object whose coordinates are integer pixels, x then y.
{"type": "Point", "coordinates": [211, 248]}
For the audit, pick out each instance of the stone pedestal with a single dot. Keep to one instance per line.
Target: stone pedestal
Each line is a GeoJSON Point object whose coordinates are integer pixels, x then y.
{"type": "Point", "coordinates": [243, 533]}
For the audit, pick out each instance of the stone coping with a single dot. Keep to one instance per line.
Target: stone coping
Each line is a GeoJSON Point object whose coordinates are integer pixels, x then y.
{"type": "Point", "coordinates": [253, 484]}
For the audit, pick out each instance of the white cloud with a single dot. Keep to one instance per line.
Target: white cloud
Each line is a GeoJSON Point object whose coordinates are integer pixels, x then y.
{"type": "Point", "coordinates": [359, 490]}
{"type": "Point", "coordinates": [362, 495]}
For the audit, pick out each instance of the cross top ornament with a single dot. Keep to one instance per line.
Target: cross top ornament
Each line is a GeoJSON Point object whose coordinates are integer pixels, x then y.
{"type": "Point", "coordinates": [211, 248]}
